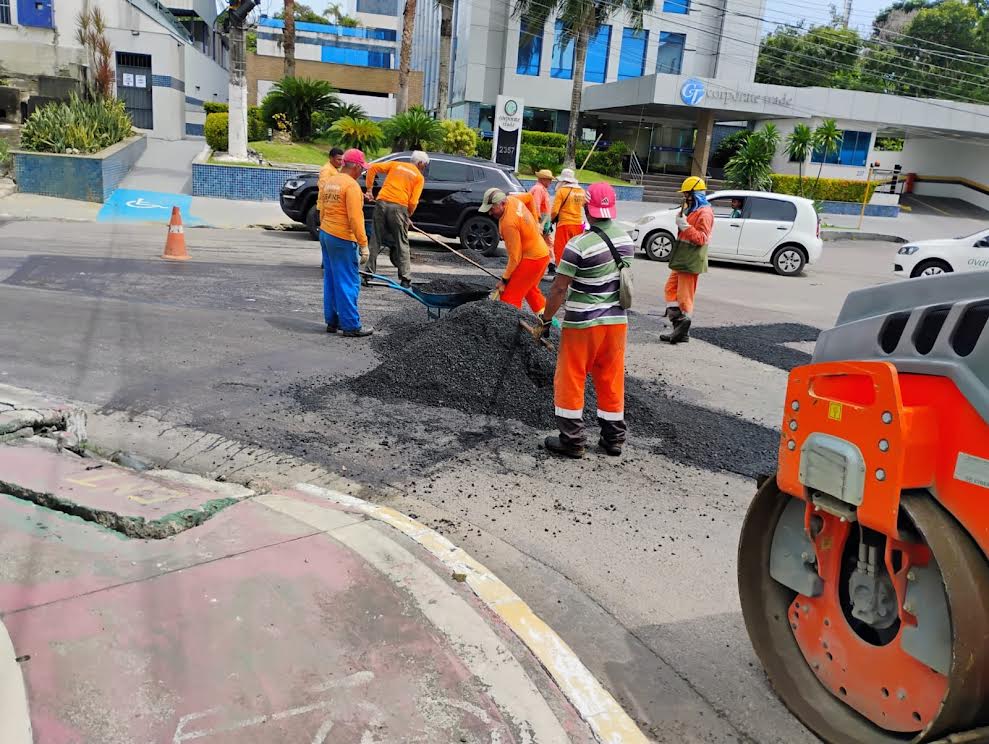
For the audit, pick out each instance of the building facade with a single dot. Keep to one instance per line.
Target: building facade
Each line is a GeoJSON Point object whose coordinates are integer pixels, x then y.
{"type": "Point", "coordinates": [167, 63]}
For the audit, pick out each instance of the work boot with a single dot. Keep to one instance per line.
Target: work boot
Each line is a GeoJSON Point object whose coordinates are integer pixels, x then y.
{"type": "Point", "coordinates": [610, 448]}
{"type": "Point", "coordinates": [674, 313]}
{"type": "Point", "coordinates": [359, 332]}
{"type": "Point", "coordinates": [557, 447]}
{"type": "Point", "coordinates": [681, 331]}
{"type": "Point", "coordinates": [365, 282]}
{"type": "Point", "coordinates": [406, 283]}
{"type": "Point", "coordinates": [332, 328]}
{"type": "Point", "coordinates": [551, 270]}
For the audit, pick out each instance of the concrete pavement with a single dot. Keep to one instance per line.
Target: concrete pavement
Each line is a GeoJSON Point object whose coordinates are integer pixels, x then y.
{"type": "Point", "coordinates": [299, 614]}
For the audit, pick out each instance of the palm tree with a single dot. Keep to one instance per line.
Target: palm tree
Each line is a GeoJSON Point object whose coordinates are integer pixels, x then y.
{"type": "Point", "coordinates": [405, 56]}
{"type": "Point", "coordinates": [581, 20]}
{"type": "Point", "coordinates": [799, 144]}
{"type": "Point", "coordinates": [827, 139]}
{"type": "Point", "coordinates": [288, 38]}
{"type": "Point", "coordinates": [363, 134]}
{"type": "Point", "coordinates": [416, 129]}
{"type": "Point", "coordinates": [446, 37]}
{"type": "Point", "coordinates": [299, 99]}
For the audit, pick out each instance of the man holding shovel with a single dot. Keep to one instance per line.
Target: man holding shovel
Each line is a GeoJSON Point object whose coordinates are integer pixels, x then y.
{"type": "Point", "coordinates": [528, 254]}
{"type": "Point", "coordinates": [542, 204]}
{"type": "Point", "coordinates": [396, 202]}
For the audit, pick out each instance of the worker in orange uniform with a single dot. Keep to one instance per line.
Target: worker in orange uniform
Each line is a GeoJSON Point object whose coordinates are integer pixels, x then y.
{"type": "Point", "coordinates": [544, 206]}
{"type": "Point", "coordinates": [592, 341]}
{"type": "Point", "coordinates": [344, 244]}
{"type": "Point", "coordinates": [333, 164]}
{"type": "Point", "coordinates": [528, 254]}
{"type": "Point", "coordinates": [396, 203]}
{"type": "Point", "coordinates": [688, 260]}
{"type": "Point", "coordinates": [567, 212]}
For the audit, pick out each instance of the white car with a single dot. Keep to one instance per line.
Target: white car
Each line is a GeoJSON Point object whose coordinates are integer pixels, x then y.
{"type": "Point", "coordinates": [933, 257]}
{"type": "Point", "coordinates": [760, 227]}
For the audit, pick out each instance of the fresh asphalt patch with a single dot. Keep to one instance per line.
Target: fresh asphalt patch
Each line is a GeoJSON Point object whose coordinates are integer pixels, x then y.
{"type": "Point", "coordinates": [762, 343]}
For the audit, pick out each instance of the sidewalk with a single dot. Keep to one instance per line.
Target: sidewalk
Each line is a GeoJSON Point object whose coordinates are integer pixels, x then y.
{"type": "Point", "coordinates": [162, 607]}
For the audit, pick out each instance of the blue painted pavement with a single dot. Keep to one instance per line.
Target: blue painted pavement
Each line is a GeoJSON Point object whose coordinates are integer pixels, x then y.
{"type": "Point", "coordinates": [132, 205]}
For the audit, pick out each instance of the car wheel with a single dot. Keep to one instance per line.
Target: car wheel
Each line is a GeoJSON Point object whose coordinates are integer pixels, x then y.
{"type": "Point", "coordinates": [659, 245]}
{"type": "Point", "coordinates": [312, 222]}
{"type": "Point", "coordinates": [931, 267]}
{"type": "Point", "coordinates": [480, 234]}
{"type": "Point", "coordinates": [789, 260]}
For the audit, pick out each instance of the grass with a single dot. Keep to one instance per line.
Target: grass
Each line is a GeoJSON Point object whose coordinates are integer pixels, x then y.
{"type": "Point", "coordinates": [584, 176]}
{"type": "Point", "coordinates": [306, 153]}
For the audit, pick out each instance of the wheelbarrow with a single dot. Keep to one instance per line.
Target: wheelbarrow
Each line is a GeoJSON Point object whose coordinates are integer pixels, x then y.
{"type": "Point", "coordinates": [435, 303]}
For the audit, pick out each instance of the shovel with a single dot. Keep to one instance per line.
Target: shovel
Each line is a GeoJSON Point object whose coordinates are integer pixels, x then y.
{"type": "Point", "coordinates": [532, 332]}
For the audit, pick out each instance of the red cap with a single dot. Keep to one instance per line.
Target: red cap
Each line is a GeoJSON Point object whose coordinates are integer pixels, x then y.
{"type": "Point", "coordinates": [601, 201]}
{"type": "Point", "coordinates": [353, 156]}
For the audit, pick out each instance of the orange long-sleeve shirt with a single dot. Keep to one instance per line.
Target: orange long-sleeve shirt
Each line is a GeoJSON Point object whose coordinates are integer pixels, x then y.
{"type": "Point", "coordinates": [520, 231]}
{"type": "Point", "coordinates": [569, 205]}
{"type": "Point", "coordinates": [403, 183]}
{"type": "Point", "coordinates": [341, 209]}
{"type": "Point", "coordinates": [327, 171]}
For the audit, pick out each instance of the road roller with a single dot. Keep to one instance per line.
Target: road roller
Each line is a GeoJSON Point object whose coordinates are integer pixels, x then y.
{"type": "Point", "coordinates": [863, 564]}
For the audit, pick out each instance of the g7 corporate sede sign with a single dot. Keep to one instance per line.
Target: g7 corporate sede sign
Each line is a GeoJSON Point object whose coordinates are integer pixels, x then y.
{"type": "Point", "coordinates": [693, 91]}
{"type": "Point", "coordinates": [507, 131]}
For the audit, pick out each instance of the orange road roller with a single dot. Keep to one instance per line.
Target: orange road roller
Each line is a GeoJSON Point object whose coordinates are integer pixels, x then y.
{"type": "Point", "coordinates": [863, 566]}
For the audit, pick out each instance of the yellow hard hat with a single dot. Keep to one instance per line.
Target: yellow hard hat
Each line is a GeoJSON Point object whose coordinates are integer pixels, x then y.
{"type": "Point", "coordinates": [694, 183]}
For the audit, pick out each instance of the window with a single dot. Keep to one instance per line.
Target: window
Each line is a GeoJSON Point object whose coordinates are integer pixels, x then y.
{"type": "Point", "coordinates": [853, 150]}
{"type": "Point", "coordinates": [773, 210]}
{"type": "Point", "coordinates": [596, 67]}
{"type": "Point", "coordinates": [562, 66]}
{"type": "Point", "coordinates": [722, 207]}
{"type": "Point", "coordinates": [5, 11]}
{"type": "Point", "coordinates": [670, 57]}
{"type": "Point", "coordinates": [530, 50]}
{"type": "Point", "coordinates": [359, 57]}
{"type": "Point", "coordinates": [632, 62]}
{"type": "Point", "coordinates": [444, 170]}
{"type": "Point", "coordinates": [676, 6]}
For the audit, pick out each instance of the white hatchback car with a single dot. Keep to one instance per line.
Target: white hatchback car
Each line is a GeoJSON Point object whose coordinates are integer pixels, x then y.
{"type": "Point", "coordinates": [944, 256]}
{"type": "Point", "coordinates": [760, 227]}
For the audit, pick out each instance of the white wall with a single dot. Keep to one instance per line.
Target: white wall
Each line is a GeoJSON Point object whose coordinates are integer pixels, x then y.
{"type": "Point", "coordinates": [950, 158]}
{"type": "Point", "coordinates": [782, 164]}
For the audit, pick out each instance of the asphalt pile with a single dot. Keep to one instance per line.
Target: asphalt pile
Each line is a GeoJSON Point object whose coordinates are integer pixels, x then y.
{"type": "Point", "coordinates": [445, 285]}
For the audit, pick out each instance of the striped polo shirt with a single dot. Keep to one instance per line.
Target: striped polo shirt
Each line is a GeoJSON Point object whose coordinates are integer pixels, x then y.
{"type": "Point", "coordinates": [593, 295]}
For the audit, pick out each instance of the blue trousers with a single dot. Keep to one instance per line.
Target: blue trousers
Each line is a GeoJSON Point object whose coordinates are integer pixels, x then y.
{"type": "Point", "coordinates": [341, 282]}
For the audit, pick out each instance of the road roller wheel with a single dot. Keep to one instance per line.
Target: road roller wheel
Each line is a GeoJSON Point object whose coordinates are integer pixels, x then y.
{"type": "Point", "coordinates": [864, 638]}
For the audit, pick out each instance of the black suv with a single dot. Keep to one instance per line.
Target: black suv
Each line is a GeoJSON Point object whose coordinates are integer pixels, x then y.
{"type": "Point", "coordinates": [453, 191]}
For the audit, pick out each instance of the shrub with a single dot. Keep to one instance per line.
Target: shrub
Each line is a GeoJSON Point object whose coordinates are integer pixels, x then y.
{"type": "Point", "coordinates": [216, 130]}
{"type": "Point", "coordinates": [215, 107]}
{"type": "Point", "coordinates": [256, 129]}
{"type": "Point", "coordinates": [484, 148]}
{"type": "Point", "coordinates": [4, 156]}
{"type": "Point", "coordinates": [77, 126]}
{"type": "Point", "coordinates": [751, 167]}
{"type": "Point", "coordinates": [416, 129]}
{"type": "Point", "coordinates": [608, 162]}
{"type": "Point", "coordinates": [363, 134]}
{"type": "Point", "coordinates": [728, 147]}
{"type": "Point", "coordinates": [298, 99]}
{"type": "Point", "coordinates": [458, 138]}
{"type": "Point", "coordinates": [828, 189]}
{"type": "Point", "coordinates": [544, 139]}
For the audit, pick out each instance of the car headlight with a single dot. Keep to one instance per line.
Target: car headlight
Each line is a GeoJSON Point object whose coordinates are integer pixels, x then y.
{"type": "Point", "coordinates": [292, 184]}
{"type": "Point", "coordinates": [908, 250]}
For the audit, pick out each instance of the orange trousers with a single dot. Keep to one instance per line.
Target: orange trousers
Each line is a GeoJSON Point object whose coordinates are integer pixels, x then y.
{"type": "Point", "coordinates": [562, 237]}
{"type": "Point", "coordinates": [524, 283]}
{"type": "Point", "coordinates": [598, 351]}
{"type": "Point", "coordinates": [681, 288]}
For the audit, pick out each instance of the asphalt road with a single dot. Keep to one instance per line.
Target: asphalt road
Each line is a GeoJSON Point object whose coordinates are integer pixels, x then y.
{"type": "Point", "coordinates": [630, 560]}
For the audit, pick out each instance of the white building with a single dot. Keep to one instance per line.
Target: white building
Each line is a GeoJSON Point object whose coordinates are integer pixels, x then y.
{"type": "Point", "coordinates": [665, 89]}
{"type": "Point", "coordinates": [169, 57]}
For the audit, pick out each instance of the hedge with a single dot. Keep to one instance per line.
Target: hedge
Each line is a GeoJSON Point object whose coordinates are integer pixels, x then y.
{"type": "Point", "coordinates": [537, 157]}
{"type": "Point", "coordinates": [217, 127]}
{"type": "Point", "coordinates": [214, 107]}
{"type": "Point", "coordinates": [544, 139]}
{"type": "Point", "coordinates": [828, 189]}
{"type": "Point", "coordinates": [484, 148]}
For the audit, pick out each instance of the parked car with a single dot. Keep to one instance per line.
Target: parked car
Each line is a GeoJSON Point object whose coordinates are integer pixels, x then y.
{"type": "Point", "coordinates": [775, 229]}
{"type": "Point", "coordinates": [453, 191]}
{"type": "Point", "coordinates": [943, 256]}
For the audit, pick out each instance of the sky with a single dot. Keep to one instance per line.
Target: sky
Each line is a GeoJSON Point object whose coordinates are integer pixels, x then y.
{"type": "Point", "coordinates": [817, 12]}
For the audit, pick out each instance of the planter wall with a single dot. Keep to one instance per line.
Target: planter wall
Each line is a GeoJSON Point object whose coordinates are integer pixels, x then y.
{"type": "Point", "coordinates": [84, 177]}
{"type": "Point", "coordinates": [624, 193]}
{"type": "Point", "coordinates": [855, 208]}
{"type": "Point", "coordinates": [242, 182]}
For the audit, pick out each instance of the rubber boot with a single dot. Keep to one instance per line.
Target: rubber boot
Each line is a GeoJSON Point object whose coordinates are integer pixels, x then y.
{"type": "Point", "coordinates": [681, 331]}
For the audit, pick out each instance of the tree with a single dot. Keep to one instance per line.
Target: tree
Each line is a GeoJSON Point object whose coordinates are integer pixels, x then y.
{"type": "Point", "coordinates": [340, 18]}
{"type": "Point", "coordinates": [751, 168]}
{"type": "Point", "coordinates": [405, 56]}
{"type": "Point", "coordinates": [826, 140]}
{"type": "Point", "coordinates": [91, 25]}
{"type": "Point", "coordinates": [581, 20]}
{"type": "Point", "coordinates": [446, 38]}
{"type": "Point", "coordinates": [363, 134]}
{"type": "Point", "coordinates": [820, 56]}
{"type": "Point", "coordinates": [413, 130]}
{"type": "Point", "coordinates": [799, 145]}
{"type": "Point", "coordinates": [299, 99]}
{"type": "Point", "coordinates": [288, 38]}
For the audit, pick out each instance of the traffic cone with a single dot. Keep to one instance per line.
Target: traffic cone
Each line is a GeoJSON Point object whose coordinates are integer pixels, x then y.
{"type": "Point", "coordinates": [175, 243]}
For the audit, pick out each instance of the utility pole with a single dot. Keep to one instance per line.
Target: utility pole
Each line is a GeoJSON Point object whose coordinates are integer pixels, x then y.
{"type": "Point", "coordinates": [237, 95]}
{"type": "Point", "coordinates": [848, 12]}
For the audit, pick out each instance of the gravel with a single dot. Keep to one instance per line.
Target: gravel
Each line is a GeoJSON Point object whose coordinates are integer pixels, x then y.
{"type": "Point", "coordinates": [762, 343]}
{"type": "Point", "coordinates": [452, 286]}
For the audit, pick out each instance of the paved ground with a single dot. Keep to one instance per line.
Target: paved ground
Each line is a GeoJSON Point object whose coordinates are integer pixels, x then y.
{"type": "Point", "coordinates": [631, 561]}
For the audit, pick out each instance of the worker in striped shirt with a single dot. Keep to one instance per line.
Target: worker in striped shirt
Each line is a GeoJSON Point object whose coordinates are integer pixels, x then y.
{"type": "Point", "coordinates": [592, 341]}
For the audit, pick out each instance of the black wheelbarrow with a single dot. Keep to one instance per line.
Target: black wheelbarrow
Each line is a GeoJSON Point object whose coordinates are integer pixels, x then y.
{"type": "Point", "coordinates": [435, 303]}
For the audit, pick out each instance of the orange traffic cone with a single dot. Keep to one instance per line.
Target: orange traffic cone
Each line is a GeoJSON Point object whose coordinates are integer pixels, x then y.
{"type": "Point", "coordinates": [175, 243]}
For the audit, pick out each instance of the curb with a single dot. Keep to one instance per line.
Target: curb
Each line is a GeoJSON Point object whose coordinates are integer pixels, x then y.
{"type": "Point", "coordinates": [15, 720]}
{"type": "Point", "coordinates": [607, 719]}
{"type": "Point", "coordinates": [829, 235]}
